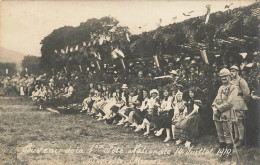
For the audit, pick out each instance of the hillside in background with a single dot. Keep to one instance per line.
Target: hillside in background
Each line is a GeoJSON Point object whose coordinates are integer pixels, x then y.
{"type": "Point", "coordinates": [11, 56]}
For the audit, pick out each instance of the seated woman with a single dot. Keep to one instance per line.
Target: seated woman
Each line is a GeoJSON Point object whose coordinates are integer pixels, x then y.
{"type": "Point", "coordinates": [133, 103]}
{"type": "Point", "coordinates": [180, 111]}
{"type": "Point", "coordinates": [42, 97]}
{"type": "Point", "coordinates": [151, 115]}
{"type": "Point", "coordinates": [112, 105]}
{"type": "Point", "coordinates": [130, 103]}
{"type": "Point", "coordinates": [88, 102]}
{"type": "Point", "coordinates": [140, 112]}
{"type": "Point", "coordinates": [187, 129]}
{"type": "Point", "coordinates": [165, 114]}
{"type": "Point", "coordinates": [138, 95]}
{"type": "Point", "coordinates": [125, 106]}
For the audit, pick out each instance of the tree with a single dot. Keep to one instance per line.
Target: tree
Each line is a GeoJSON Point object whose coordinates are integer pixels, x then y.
{"type": "Point", "coordinates": [31, 64]}
{"type": "Point", "coordinates": [90, 32]}
{"type": "Point", "coordinates": [10, 66]}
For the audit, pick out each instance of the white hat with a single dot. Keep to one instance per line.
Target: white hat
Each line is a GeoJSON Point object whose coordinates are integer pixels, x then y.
{"type": "Point", "coordinates": [154, 91]}
{"type": "Point", "coordinates": [124, 86]}
{"type": "Point", "coordinates": [173, 72]}
{"type": "Point", "coordinates": [224, 72]}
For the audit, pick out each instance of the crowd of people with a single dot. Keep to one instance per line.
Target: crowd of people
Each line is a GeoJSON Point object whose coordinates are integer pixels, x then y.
{"type": "Point", "coordinates": [181, 106]}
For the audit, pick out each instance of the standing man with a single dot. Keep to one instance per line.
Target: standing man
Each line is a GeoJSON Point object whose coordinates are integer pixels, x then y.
{"type": "Point", "coordinates": [223, 113]}
{"type": "Point", "coordinates": [240, 105]}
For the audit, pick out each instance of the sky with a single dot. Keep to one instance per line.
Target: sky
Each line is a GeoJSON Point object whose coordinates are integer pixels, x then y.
{"type": "Point", "coordinates": [23, 24]}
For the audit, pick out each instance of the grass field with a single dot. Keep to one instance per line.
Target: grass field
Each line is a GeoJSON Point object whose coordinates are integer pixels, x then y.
{"type": "Point", "coordinates": [32, 136]}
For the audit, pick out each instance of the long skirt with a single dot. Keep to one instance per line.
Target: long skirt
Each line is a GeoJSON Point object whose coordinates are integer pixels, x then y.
{"type": "Point", "coordinates": [139, 116]}
{"type": "Point", "coordinates": [188, 128]}
{"type": "Point", "coordinates": [165, 119]}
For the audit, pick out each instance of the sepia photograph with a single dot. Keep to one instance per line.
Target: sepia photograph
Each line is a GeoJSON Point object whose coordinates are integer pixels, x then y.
{"type": "Point", "coordinates": [129, 82]}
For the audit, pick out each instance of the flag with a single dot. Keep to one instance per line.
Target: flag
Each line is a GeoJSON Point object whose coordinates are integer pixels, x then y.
{"type": "Point", "coordinates": [204, 56]}
{"type": "Point", "coordinates": [187, 58]}
{"type": "Point", "coordinates": [119, 52]}
{"type": "Point", "coordinates": [84, 43]}
{"type": "Point", "coordinates": [62, 51]}
{"type": "Point", "coordinates": [80, 68]}
{"type": "Point", "coordinates": [65, 69]}
{"type": "Point", "coordinates": [208, 13]}
{"type": "Point", "coordinates": [98, 56]}
{"type": "Point", "coordinates": [156, 61]}
{"type": "Point", "coordinates": [114, 54]}
{"type": "Point", "coordinates": [249, 65]}
{"type": "Point", "coordinates": [243, 55]}
{"type": "Point", "coordinates": [67, 49]}
{"type": "Point", "coordinates": [6, 71]}
{"type": "Point", "coordinates": [101, 40]}
{"type": "Point", "coordinates": [76, 48]}
{"type": "Point", "coordinates": [71, 49]}
{"type": "Point", "coordinates": [55, 51]}
{"type": "Point", "coordinates": [26, 70]}
{"type": "Point", "coordinates": [127, 37]}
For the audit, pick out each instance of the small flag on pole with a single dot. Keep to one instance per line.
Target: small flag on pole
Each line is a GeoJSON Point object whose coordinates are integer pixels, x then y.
{"type": "Point", "coordinates": [80, 68]}
{"type": "Point", "coordinates": [65, 69]}
{"type": "Point", "coordinates": [156, 61]}
{"type": "Point", "coordinates": [67, 49]}
{"type": "Point", "coordinates": [84, 43]}
{"type": "Point", "coordinates": [77, 47]}
{"type": "Point", "coordinates": [55, 51]}
{"type": "Point", "coordinates": [204, 56]}
{"type": "Point", "coordinates": [114, 55]}
{"type": "Point", "coordinates": [119, 52]}
{"type": "Point", "coordinates": [6, 71]}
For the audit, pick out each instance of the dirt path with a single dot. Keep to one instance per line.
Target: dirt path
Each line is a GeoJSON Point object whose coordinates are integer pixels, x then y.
{"type": "Point", "coordinates": [32, 136]}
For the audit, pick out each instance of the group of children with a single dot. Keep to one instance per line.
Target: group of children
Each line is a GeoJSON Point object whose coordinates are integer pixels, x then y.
{"type": "Point", "coordinates": [146, 110]}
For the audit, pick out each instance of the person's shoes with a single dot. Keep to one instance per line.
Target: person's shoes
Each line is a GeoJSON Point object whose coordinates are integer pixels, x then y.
{"type": "Point", "coordinates": [146, 133]}
{"type": "Point", "coordinates": [139, 128]}
{"type": "Point", "coordinates": [239, 143]}
{"type": "Point", "coordinates": [126, 125]}
{"type": "Point", "coordinates": [187, 144]}
{"type": "Point", "coordinates": [167, 139]}
{"type": "Point", "coordinates": [134, 125]}
{"type": "Point", "coordinates": [178, 142]}
{"type": "Point", "coordinates": [159, 133]}
{"type": "Point", "coordinates": [121, 122]}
